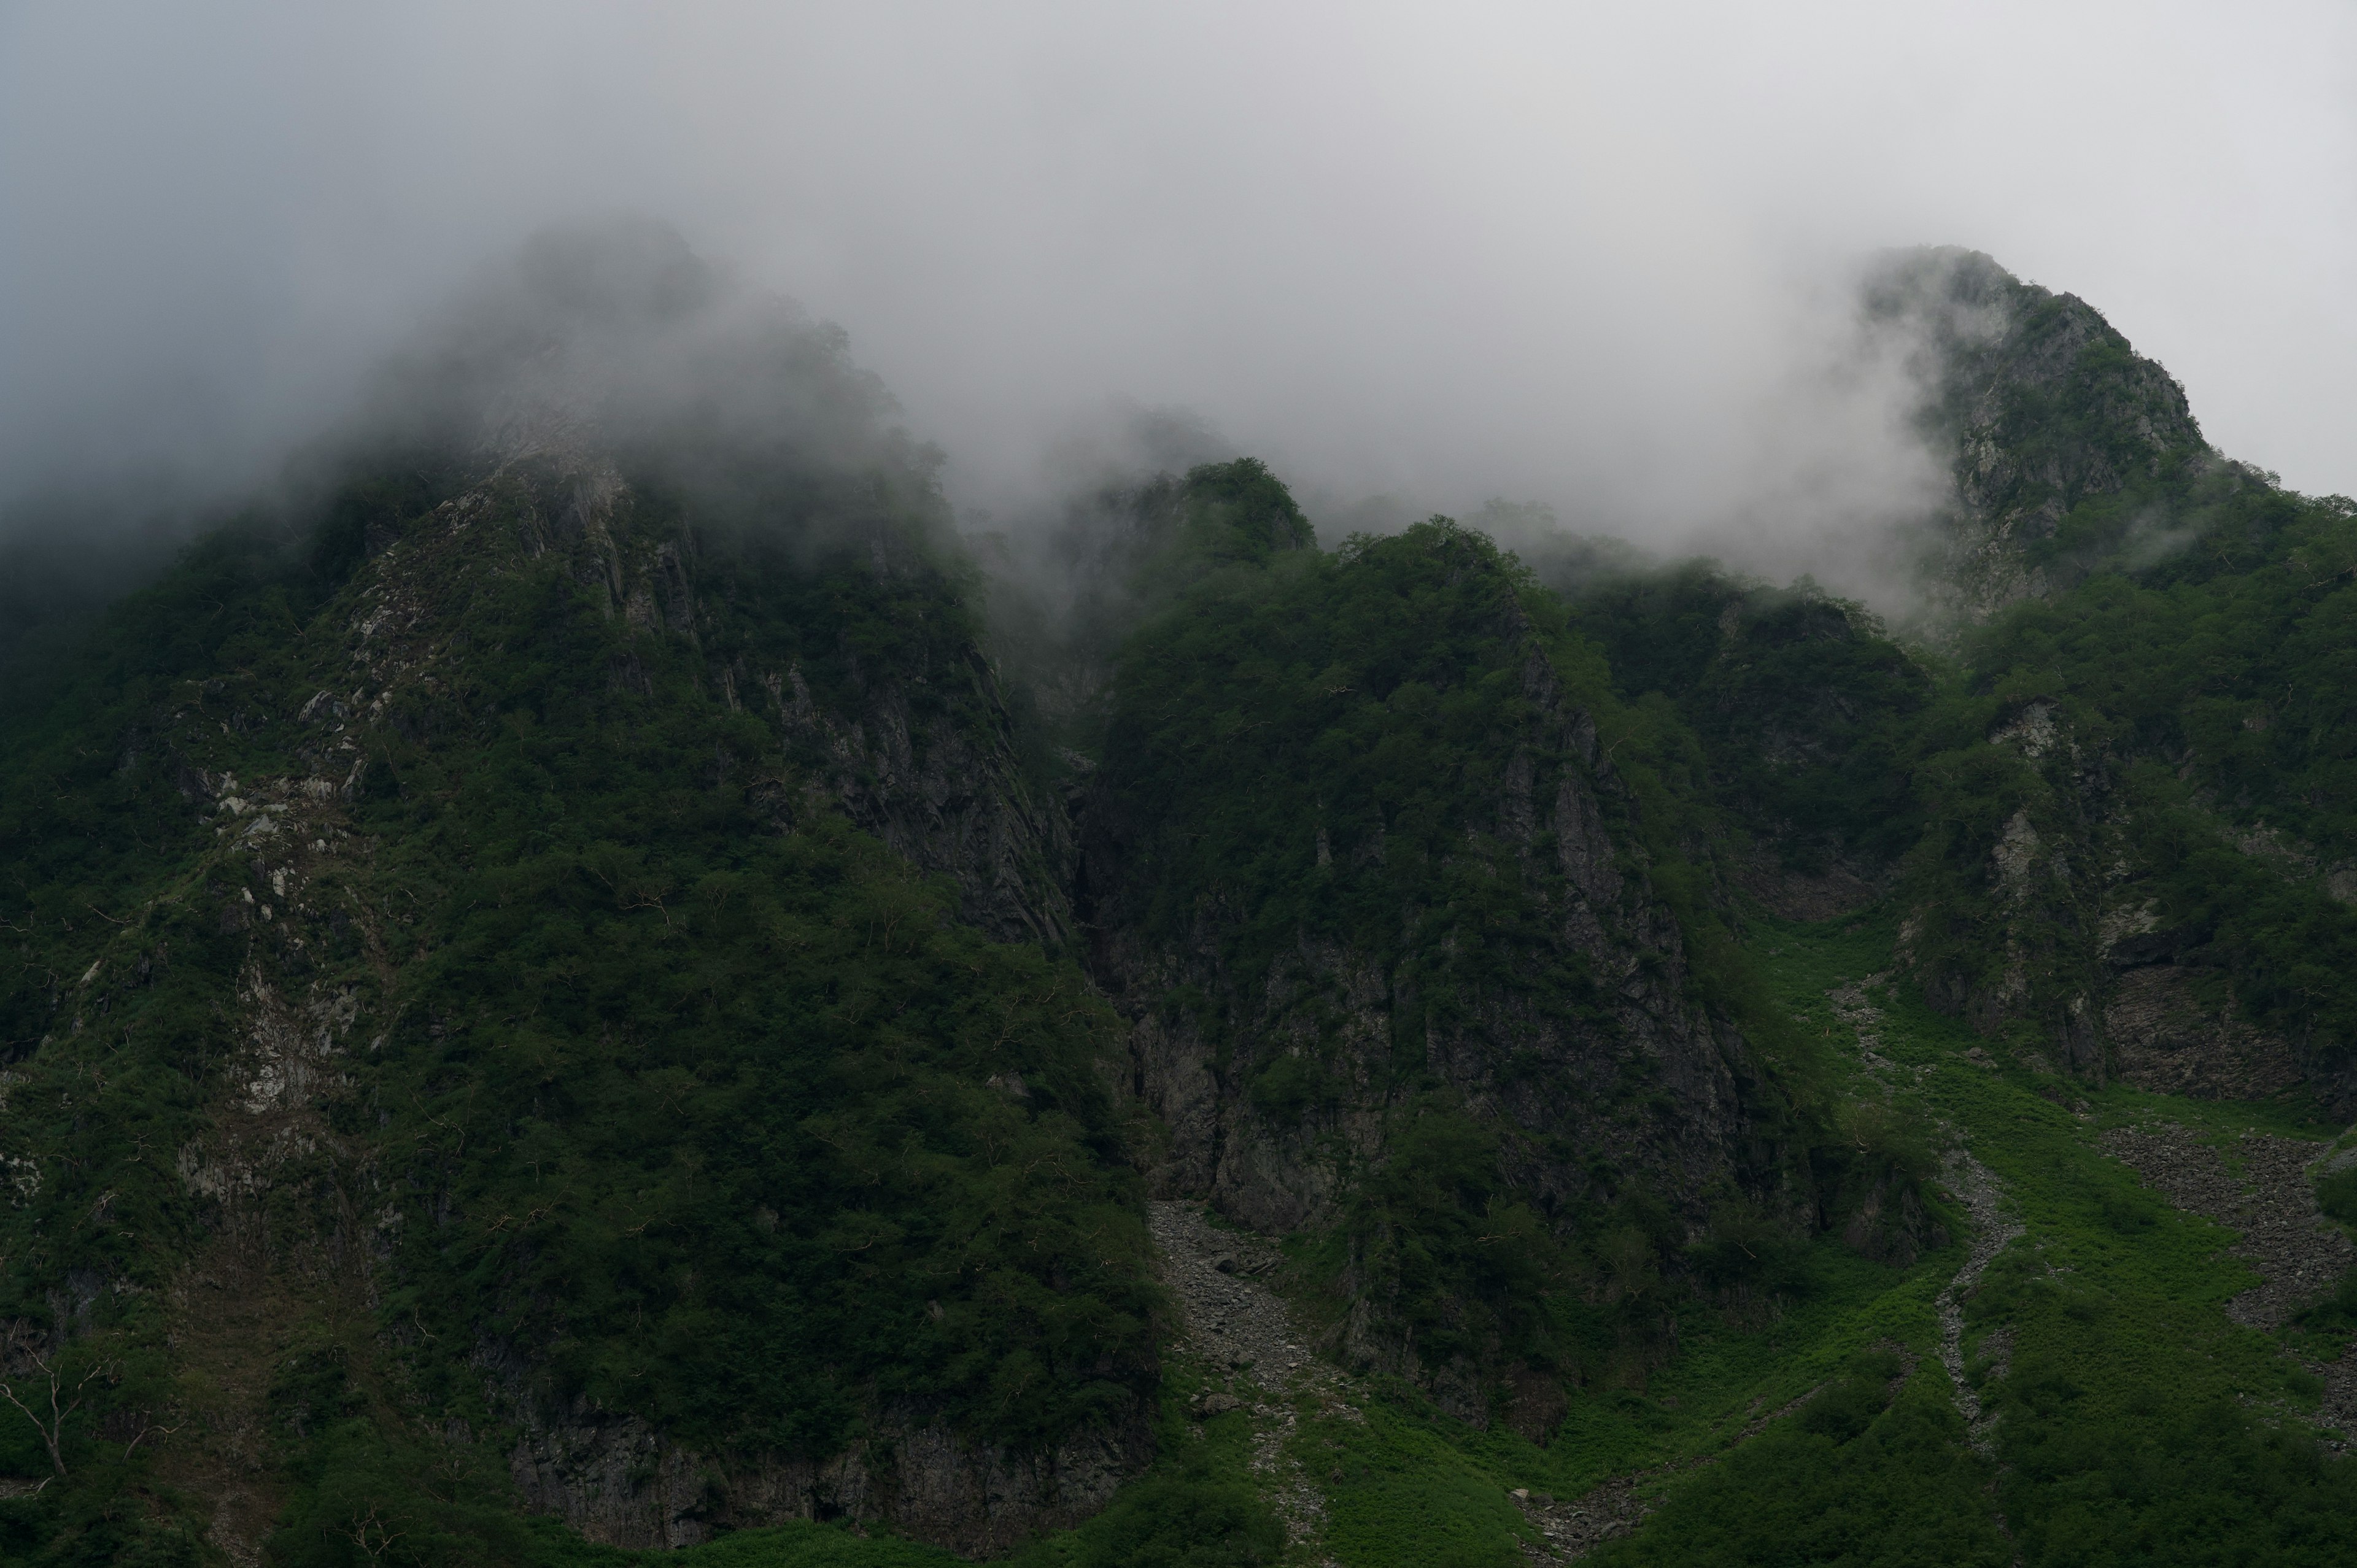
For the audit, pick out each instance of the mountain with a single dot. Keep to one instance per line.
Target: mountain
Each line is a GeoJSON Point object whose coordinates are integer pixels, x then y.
{"type": "Point", "coordinates": [2140, 858]}
{"type": "Point", "coordinates": [535, 966]}
{"type": "Point", "coordinates": [2062, 438]}
{"type": "Point", "coordinates": [592, 989]}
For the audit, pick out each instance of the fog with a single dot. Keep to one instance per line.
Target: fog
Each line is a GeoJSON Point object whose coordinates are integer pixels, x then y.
{"type": "Point", "coordinates": [1594, 260]}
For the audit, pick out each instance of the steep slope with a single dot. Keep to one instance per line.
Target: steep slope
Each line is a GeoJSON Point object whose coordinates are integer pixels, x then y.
{"type": "Point", "coordinates": [565, 1006]}
{"type": "Point", "coordinates": [2139, 853]}
{"type": "Point", "coordinates": [2112, 796]}
{"type": "Point", "coordinates": [1802, 712]}
{"type": "Point", "coordinates": [2143, 847]}
{"type": "Point", "coordinates": [2059, 435]}
{"type": "Point", "coordinates": [465, 1052]}
{"type": "Point", "coordinates": [1401, 968]}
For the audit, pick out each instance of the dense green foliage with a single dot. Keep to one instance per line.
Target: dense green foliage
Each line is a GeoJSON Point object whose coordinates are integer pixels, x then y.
{"type": "Point", "coordinates": [1856, 1476]}
{"type": "Point", "coordinates": [2208, 695]}
{"type": "Point", "coordinates": [578, 1053]}
{"type": "Point", "coordinates": [2175, 712]}
{"type": "Point", "coordinates": [674, 1092]}
{"type": "Point", "coordinates": [1312, 748]}
{"type": "Point", "coordinates": [1357, 752]}
{"type": "Point", "coordinates": [2136, 1422]}
{"type": "Point", "coordinates": [1804, 710]}
{"type": "Point", "coordinates": [735, 1159]}
{"type": "Point", "coordinates": [1367, 702]}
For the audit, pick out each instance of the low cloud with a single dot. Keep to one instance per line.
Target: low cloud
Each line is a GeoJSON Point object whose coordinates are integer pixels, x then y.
{"type": "Point", "coordinates": [1597, 264]}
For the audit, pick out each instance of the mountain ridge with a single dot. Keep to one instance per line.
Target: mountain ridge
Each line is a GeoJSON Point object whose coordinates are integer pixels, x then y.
{"type": "Point", "coordinates": [620, 1009]}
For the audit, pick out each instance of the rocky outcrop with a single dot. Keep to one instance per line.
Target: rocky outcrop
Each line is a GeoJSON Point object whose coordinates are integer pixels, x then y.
{"type": "Point", "coordinates": [2043, 405]}
{"type": "Point", "coordinates": [2062, 929]}
{"type": "Point", "coordinates": [2163, 1038]}
{"type": "Point", "coordinates": [914, 742]}
{"type": "Point", "coordinates": [621, 1482]}
{"type": "Point", "coordinates": [287, 938]}
{"type": "Point", "coordinates": [1287, 1082]}
{"type": "Point", "coordinates": [1516, 1058]}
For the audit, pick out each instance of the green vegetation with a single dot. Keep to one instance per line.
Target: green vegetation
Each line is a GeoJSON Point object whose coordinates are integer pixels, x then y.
{"type": "Point", "coordinates": [640, 974]}
{"type": "Point", "coordinates": [1804, 708]}
{"type": "Point", "coordinates": [473, 965]}
{"type": "Point", "coordinates": [803, 1546]}
{"type": "Point", "coordinates": [1357, 752]}
{"type": "Point", "coordinates": [2207, 696]}
{"type": "Point", "coordinates": [1355, 695]}
{"type": "Point", "coordinates": [651, 1079]}
{"type": "Point", "coordinates": [1314, 743]}
{"type": "Point", "coordinates": [1197, 1508]}
{"type": "Point", "coordinates": [2136, 1422]}
{"type": "Point", "coordinates": [1856, 1476]}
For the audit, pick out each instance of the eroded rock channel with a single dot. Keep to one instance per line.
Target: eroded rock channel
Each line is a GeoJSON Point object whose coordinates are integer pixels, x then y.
{"type": "Point", "coordinates": [1993, 1231]}
{"type": "Point", "coordinates": [1259, 1362]}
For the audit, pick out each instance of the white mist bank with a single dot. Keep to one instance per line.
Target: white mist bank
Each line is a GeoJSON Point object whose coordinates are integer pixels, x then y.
{"type": "Point", "coordinates": [1416, 257]}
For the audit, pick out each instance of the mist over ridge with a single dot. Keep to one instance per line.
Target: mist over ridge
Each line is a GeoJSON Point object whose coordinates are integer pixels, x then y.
{"type": "Point", "coordinates": [1601, 267]}
{"type": "Point", "coordinates": [1176, 788]}
{"type": "Point", "coordinates": [612, 339]}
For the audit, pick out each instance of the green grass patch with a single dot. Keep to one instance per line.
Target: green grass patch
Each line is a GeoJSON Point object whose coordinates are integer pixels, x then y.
{"type": "Point", "coordinates": [2137, 1423]}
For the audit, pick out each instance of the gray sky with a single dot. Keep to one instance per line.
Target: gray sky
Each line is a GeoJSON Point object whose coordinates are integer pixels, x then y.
{"type": "Point", "coordinates": [1584, 255]}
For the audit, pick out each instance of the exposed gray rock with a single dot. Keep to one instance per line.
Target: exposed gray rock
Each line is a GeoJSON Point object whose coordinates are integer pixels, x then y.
{"type": "Point", "coordinates": [1556, 1086]}
{"type": "Point", "coordinates": [2042, 405]}
{"type": "Point", "coordinates": [1244, 1336]}
{"type": "Point", "coordinates": [621, 1482]}
{"type": "Point", "coordinates": [2299, 1254]}
{"type": "Point", "coordinates": [1339, 1003]}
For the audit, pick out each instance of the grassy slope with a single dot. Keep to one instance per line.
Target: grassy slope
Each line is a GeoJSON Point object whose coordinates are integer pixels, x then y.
{"type": "Point", "coordinates": [2139, 1424]}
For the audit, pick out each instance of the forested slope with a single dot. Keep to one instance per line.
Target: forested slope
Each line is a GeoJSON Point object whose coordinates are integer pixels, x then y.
{"type": "Point", "coordinates": [587, 988]}
{"type": "Point", "coordinates": [514, 988]}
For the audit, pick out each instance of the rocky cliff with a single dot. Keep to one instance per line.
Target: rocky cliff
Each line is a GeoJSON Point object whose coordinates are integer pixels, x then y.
{"type": "Point", "coordinates": [2046, 417]}
{"type": "Point", "coordinates": [537, 981]}
{"type": "Point", "coordinates": [2128, 765]}
{"type": "Point", "coordinates": [1394, 893]}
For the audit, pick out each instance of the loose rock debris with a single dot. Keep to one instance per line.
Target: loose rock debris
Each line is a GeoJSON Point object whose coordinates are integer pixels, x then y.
{"type": "Point", "coordinates": [2297, 1254]}
{"type": "Point", "coordinates": [1983, 1197]}
{"type": "Point", "coordinates": [1993, 1231]}
{"type": "Point", "coordinates": [1864, 1019]}
{"type": "Point", "coordinates": [1235, 1322]}
{"type": "Point", "coordinates": [1238, 1325]}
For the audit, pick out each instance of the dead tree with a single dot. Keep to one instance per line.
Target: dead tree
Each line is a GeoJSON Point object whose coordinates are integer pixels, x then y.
{"type": "Point", "coordinates": [46, 1385]}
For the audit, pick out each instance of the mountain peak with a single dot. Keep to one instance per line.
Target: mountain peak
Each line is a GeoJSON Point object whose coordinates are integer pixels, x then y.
{"type": "Point", "coordinates": [2048, 417]}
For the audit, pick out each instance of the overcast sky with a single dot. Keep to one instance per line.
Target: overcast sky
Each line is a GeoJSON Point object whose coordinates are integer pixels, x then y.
{"type": "Point", "coordinates": [1579, 255]}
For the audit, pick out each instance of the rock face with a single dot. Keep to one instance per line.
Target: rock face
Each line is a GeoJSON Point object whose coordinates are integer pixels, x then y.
{"type": "Point", "coordinates": [2045, 407]}
{"type": "Point", "coordinates": [1550, 1083]}
{"type": "Point", "coordinates": [914, 744]}
{"type": "Point", "coordinates": [1393, 941]}
{"type": "Point", "coordinates": [2163, 1039]}
{"type": "Point", "coordinates": [2073, 456]}
{"type": "Point", "coordinates": [2059, 926]}
{"type": "Point", "coordinates": [620, 1482]}
{"type": "Point", "coordinates": [917, 747]}
{"type": "Point", "coordinates": [289, 945]}
{"type": "Point", "coordinates": [1290, 1062]}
